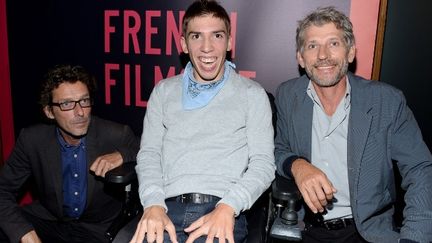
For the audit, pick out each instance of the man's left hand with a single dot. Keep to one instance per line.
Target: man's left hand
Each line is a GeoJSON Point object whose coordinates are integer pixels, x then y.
{"type": "Point", "coordinates": [105, 163]}
{"type": "Point", "coordinates": [219, 223]}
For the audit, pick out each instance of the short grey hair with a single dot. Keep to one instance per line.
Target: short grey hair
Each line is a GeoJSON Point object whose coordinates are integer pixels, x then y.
{"type": "Point", "coordinates": [321, 16]}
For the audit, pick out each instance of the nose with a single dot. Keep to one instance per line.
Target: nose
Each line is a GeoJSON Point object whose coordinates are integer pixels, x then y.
{"type": "Point", "coordinates": [207, 45]}
{"type": "Point", "coordinates": [323, 52]}
{"type": "Point", "coordinates": [78, 110]}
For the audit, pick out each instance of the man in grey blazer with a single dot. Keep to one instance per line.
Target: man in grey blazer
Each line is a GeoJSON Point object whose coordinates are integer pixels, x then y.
{"type": "Point", "coordinates": [73, 205]}
{"type": "Point", "coordinates": [339, 136]}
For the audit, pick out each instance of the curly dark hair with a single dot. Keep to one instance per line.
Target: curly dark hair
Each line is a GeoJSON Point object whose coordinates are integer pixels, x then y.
{"type": "Point", "coordinates": [65, 74]}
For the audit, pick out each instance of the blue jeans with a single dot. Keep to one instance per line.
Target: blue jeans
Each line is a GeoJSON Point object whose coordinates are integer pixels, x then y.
{"type": "Point", "coordinates": [184, 214]}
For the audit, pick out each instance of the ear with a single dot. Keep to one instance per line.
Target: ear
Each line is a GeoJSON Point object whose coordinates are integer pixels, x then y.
{"type": "Point", "coordinates": [351, 54]}
{"type": "Point", "coordinates": [229, 43]}
{"type": "Point", "coordinates": [300, 59]}
{"type": "Point", "coordinates": [48, 112]}
{"type": "Point", "coordinates": [184, 44]}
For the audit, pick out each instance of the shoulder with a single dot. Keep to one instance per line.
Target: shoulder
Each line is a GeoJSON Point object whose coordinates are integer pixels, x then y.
{"type": "Point", "coordinates": [375, 89]}
{"type": "Point", "coordinates": [30, 137]}
{"type": "Point", "coordinates": [38, 130]}
{"type": "Point", "coordinates": [292, 88]}
{"type": "Point", "coordinates": [294, 84]}
{"type": "Point", "coordinates": [102, 126]}
{"type": "Point", "coordinates": [167, 84]}
{"type": "Point", "coordinates": [242, 83]}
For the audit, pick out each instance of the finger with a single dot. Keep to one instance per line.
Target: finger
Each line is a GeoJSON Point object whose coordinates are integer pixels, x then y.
{"type": "Point", "coordinates": [105, 169]}
{"type": "Point", "coordinates": [159, 234]}
{"type": "Point", "coordinates": [230, 237]}
{"type": "Point", "coordinates": [195, 225]}
{"type": "Point", "coordinates": [317, 197]}
{"type": "Point", "coordinates": [171, 232]}
{"type": "Point", "coordinates": [211, 235]}
{"type": "Point", "coordinates": [95, 164]}
{"type": "Point", "coordinates": [98, 168]}
{"type": "Point", "coordinates": [139, 233]}
{"type": "Point", "coordinates": [308, 201]}
{"type": "Point", "coordinates": [193, 236]}
{"type": "Point", "coordinates": [329, 190]}
{"type": "Point", "coordinates": [151, 233]}
{"type": "Point", "coordinates": [209, 239]}
{"type": "Point", "coordinates": [321, 196]}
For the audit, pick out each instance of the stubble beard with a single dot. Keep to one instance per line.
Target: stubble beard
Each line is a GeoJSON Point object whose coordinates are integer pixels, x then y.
{"type": "Point", "coordinates": [324, 82]}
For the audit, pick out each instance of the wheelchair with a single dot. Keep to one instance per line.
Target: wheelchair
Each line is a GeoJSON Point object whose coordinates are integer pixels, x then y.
{"type": "Point", "coordinates": [274, 217]}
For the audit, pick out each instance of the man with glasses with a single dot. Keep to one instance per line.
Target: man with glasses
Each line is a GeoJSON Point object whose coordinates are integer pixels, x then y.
{"type": "Point", "coordinates": [65, 161]}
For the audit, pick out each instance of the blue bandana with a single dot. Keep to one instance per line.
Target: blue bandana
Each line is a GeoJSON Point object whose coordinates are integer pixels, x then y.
{"type": "Point", "coordinates": [197, 95]}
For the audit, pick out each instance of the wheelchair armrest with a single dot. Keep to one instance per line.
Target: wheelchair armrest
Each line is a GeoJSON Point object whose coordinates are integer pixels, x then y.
{"type": "Point", "coordinates": [285, 189]}
{"type": "Point", "coordinates": [124, 174]}
{"type": "Point", "coordinates": [286, 195]}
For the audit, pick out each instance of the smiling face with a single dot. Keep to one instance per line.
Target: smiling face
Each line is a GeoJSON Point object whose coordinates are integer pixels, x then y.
{"type": "Point", "coordinates": [325, 55]}
{"type": "Point", "coordinates": [206, 41]}
{"type": "Point", "coordinates": [74, 123]}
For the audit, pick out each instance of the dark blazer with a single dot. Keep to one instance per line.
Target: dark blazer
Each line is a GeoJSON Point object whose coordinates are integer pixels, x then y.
{"type": "Point", "coordinates": [37, 154]}
{"type": "Point", "coordinates": [381, 129]}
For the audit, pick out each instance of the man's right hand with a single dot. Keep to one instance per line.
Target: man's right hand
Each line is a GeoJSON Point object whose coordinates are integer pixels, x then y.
{"type": "Point", "coordinates": [153, 223]}
{"type": "Point", "coordinates": [31, 237]}
{"type": "Point", "coordinates": [313, 184]}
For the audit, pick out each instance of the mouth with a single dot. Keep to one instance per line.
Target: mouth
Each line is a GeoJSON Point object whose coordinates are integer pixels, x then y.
{"type": "Point", "coordinates": [325, 67]}
{"type": "Point", "coordinates": [80, 122]}
{"type": "Point", "coordinates": [208, 63]}
{"type": "Point", "coordinates": [207, 60]}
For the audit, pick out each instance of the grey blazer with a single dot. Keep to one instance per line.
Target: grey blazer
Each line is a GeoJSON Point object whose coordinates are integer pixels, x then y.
{"type": "Point", "coordinates": [381, 128]}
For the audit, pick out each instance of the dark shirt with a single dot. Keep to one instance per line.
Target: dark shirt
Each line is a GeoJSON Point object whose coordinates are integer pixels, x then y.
{"type": "Point", "coordinates": [74, 168]}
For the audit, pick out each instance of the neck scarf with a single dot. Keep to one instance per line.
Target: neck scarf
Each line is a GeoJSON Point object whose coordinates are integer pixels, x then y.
{"type": "Point", "coordinates": [197, 95]}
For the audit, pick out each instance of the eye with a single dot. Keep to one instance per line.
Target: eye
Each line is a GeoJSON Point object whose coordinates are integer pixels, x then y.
{"type": "Point", "coordinates": [194, 36]}
{"type": "Point", "coordinates": [67, 104]}
{"type": "Point", "coordinates": [334, 44]}
{"type": "Point", "coordinates": [85, 101]}
{"type": "Point", "coordinates": [312, 46]}
{"type": "Point", "coordinates": [219, 35]}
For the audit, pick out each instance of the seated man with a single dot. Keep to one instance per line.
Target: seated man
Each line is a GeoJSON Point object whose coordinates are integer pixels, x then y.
{"type": "Point", "coordinates": [337, 135]}
{"type": "Point", "coordinates": [207, 145]}
{"type": "Point", "coordinates": [72, 204]}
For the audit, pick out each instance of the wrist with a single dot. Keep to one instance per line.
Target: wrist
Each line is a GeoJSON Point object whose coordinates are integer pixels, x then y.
{"type": "Point", "coordinates": [288, 164]}
{"type": "Point", "coordinates": [226, 208]}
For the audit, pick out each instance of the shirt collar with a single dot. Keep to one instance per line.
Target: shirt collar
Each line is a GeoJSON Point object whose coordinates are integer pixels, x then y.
{"type": "Point", "coordinates": [64, 145]}
{"type": "Point", "coordinates": [314, 96]}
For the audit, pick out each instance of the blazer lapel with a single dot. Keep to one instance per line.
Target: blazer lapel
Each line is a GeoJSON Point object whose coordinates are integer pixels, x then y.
{"type": "Point", "coordinates": [302, 119]}
{"type": "Point", "coordinates": [54, 167]}
{"type": "Point", "coordinates": [92, 148]}
{"type": "Point", "coordinates": [358, 130]}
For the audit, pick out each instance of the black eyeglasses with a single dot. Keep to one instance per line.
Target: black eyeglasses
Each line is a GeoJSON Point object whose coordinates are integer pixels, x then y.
{"type": "Point", "coordinates": [70, 104]}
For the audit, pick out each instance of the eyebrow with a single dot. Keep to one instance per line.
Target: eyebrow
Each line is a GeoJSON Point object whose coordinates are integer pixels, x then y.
{"type": "Point", "coordinates": [199, 32]}
{"type": "Point", "coordinates": [71, 99]}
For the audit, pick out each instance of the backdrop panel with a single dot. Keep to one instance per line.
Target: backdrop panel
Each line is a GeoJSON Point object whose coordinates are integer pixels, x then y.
{"type": "Point", "coordinates": [131, 45]}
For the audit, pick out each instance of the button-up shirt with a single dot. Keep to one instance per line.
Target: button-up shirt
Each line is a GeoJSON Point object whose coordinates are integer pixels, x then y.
{"type": "Point", "coordinates": [329, 150]}
{"type": "Point", "coordinates": [74, 169]}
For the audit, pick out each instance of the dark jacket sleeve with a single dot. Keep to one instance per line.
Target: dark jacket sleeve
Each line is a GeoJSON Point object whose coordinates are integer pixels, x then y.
{"type": "Point", "coordinates": [13, 175]}
{"type": "Point", "coordinates": [129, 146]}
